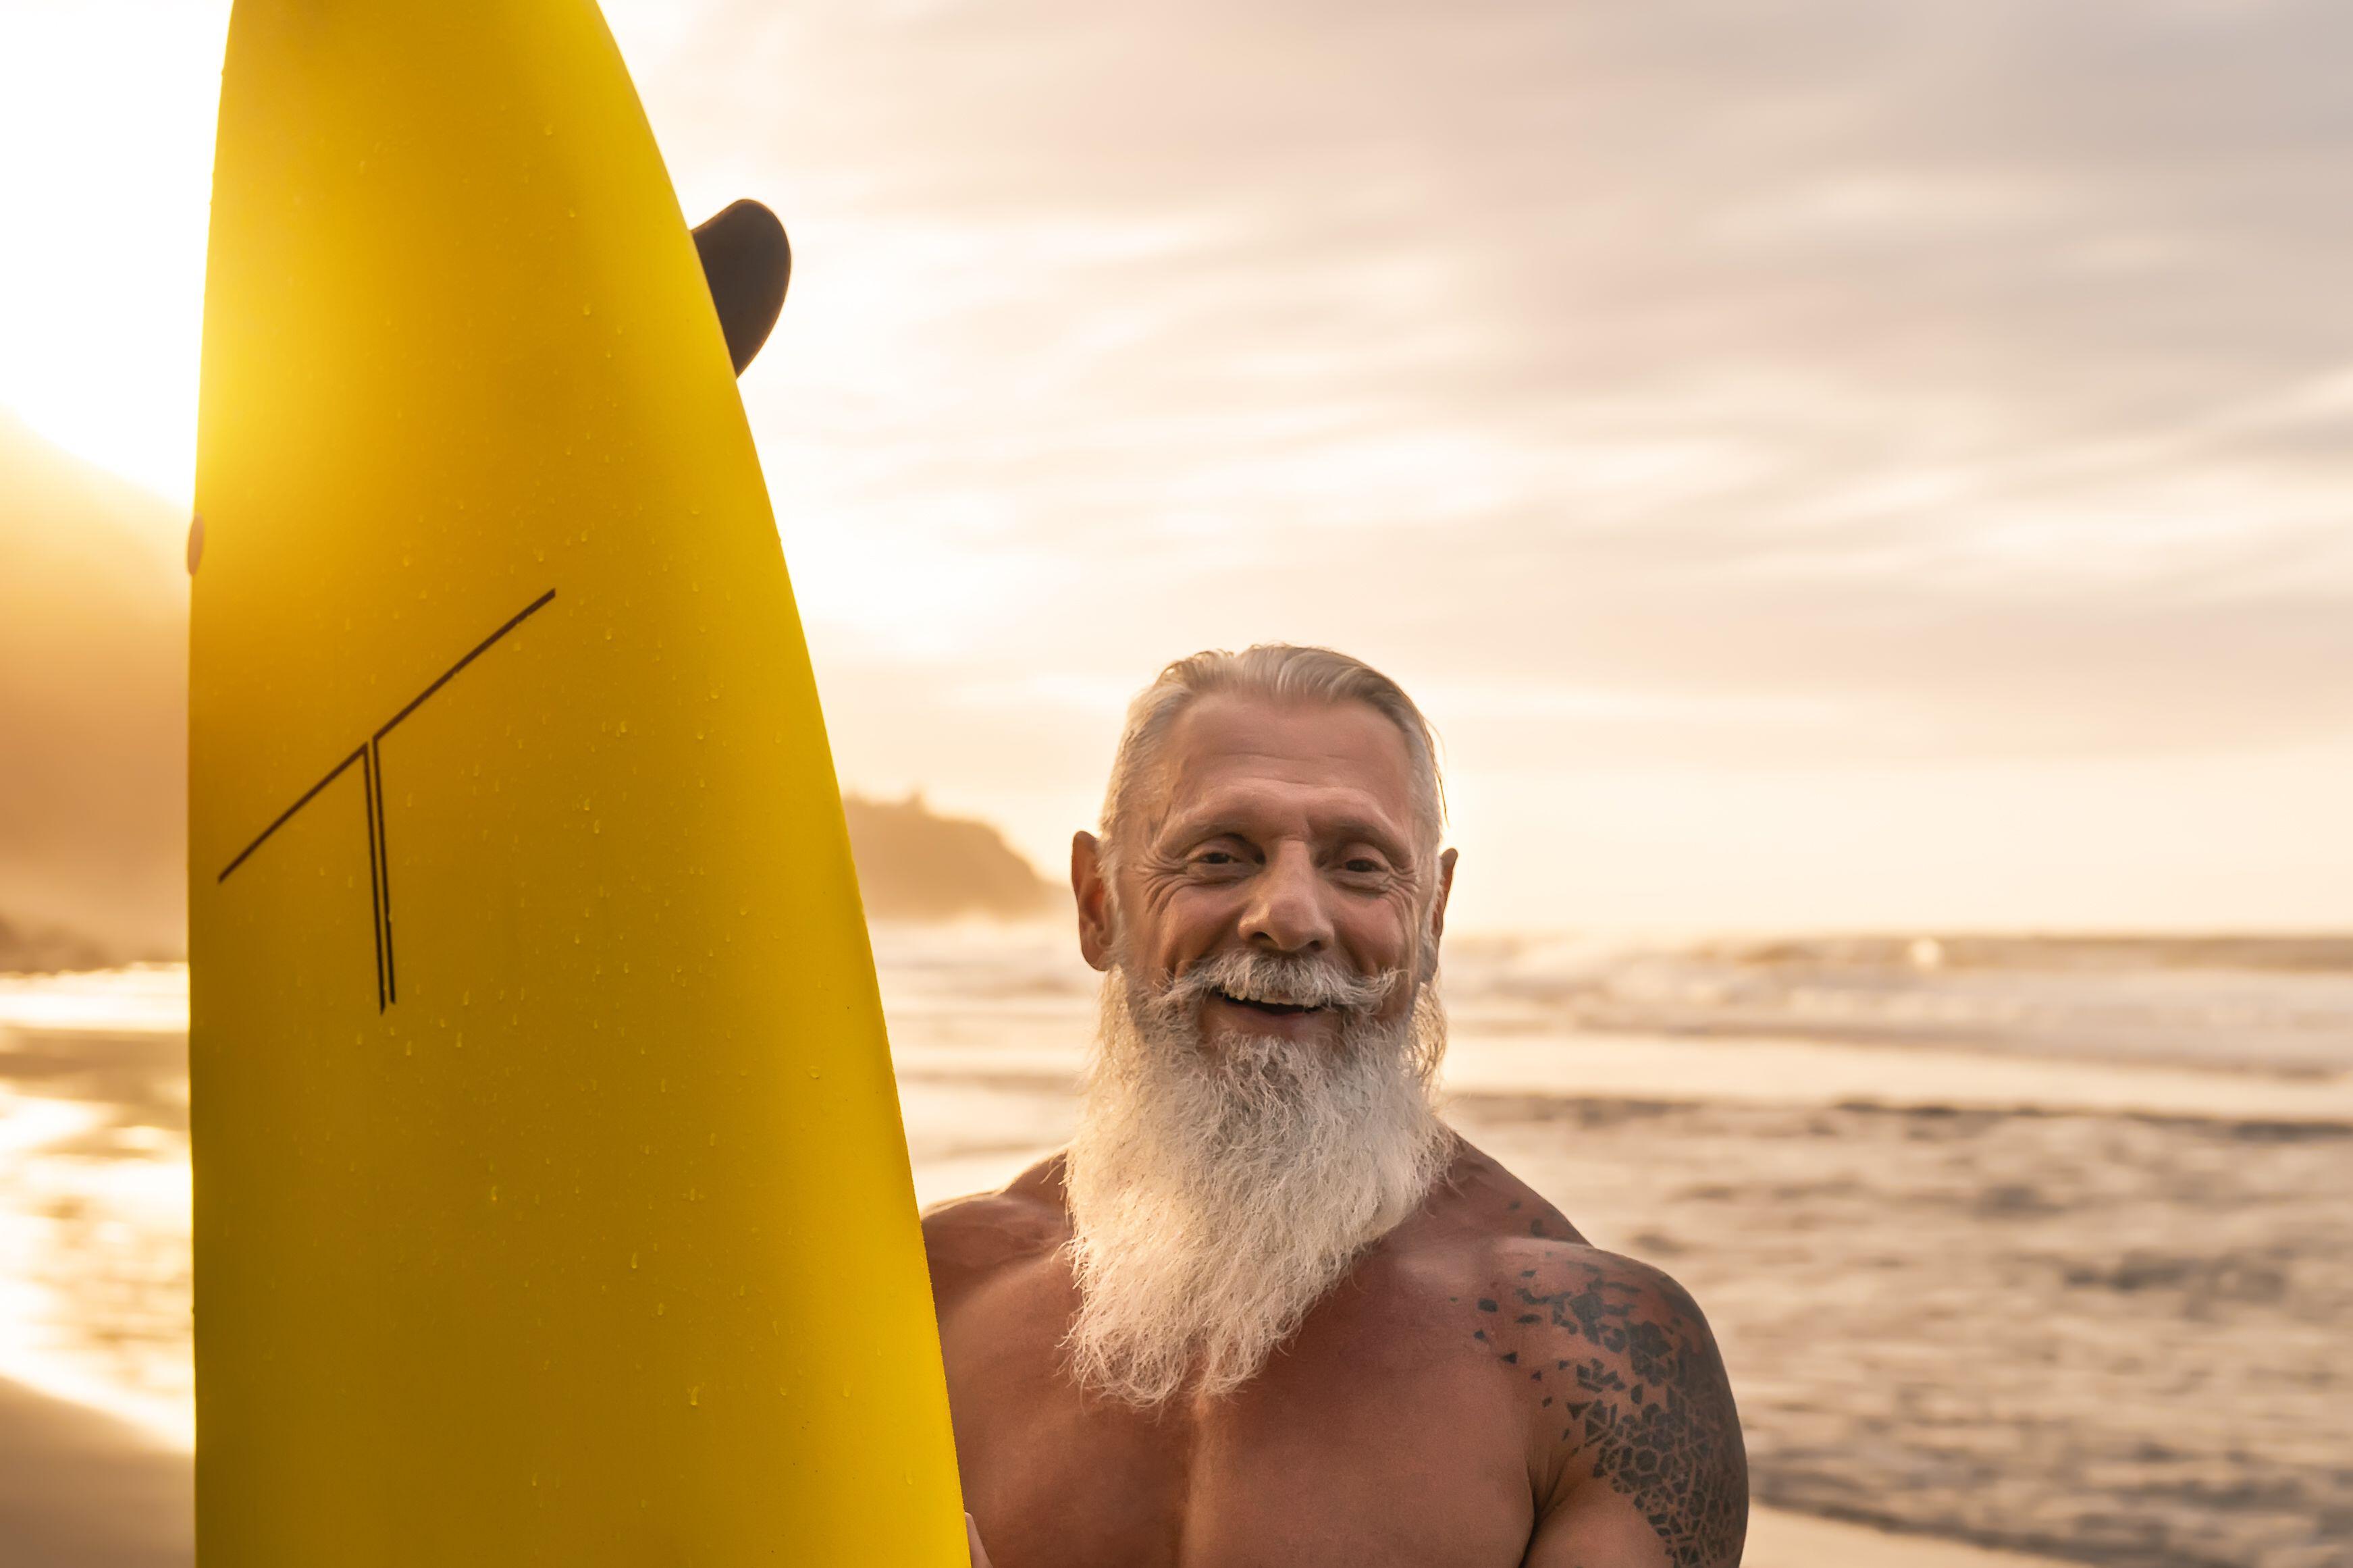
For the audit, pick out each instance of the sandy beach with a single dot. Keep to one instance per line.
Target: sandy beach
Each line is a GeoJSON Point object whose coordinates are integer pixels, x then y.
{"type": "Point", "coordinates": [79, 1489]}
{"type": "Point", "coordinates": [1981, 1305]}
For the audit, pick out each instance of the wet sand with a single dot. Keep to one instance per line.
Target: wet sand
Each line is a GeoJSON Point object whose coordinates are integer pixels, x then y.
{"type": "Point", "coordinates": [1780, 1540]}
{"type": "Point", "coordinates": [79, 1489]}
{"type": "Point", "coordinates": [2118, 1339]}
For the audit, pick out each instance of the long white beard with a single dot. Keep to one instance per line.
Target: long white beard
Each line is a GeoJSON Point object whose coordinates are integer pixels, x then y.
{"type": "Point", "coordinates": [1218, 1193]}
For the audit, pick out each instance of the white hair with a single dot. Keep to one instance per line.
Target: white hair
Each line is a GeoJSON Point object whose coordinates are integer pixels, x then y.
{"type": "Point", "coordinates": [1279, 672]}
{"type": "Point", "coordinates": [1217, 1194]}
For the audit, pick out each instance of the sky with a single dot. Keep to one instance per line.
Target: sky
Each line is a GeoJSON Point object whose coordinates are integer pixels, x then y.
{"type": "Point", "coordinates": [1819, 463]}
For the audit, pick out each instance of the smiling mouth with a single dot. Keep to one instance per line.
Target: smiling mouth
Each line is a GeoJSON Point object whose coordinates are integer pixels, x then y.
{"type": "Point", "coordinates": [1272, 1009]}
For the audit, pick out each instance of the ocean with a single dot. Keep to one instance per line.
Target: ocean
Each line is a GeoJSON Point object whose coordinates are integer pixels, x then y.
{"type": "Point", "coordinates": [2042, 1243]}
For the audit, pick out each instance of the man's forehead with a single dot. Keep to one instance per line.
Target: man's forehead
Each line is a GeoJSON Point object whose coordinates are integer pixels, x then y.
{"type": "Point", "coordinates": [1346, 756]}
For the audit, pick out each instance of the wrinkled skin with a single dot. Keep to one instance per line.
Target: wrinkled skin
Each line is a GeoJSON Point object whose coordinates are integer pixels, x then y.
{"type": "Point", "coordinates": [1483, 1390]}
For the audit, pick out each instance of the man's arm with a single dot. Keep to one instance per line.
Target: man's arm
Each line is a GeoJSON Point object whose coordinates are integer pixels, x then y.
{"type": "Point", "coordinates": [1643, 1442]}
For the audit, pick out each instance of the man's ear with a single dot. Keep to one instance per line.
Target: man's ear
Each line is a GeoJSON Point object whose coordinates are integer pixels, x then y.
{"type": "Point", "coordinates": [1091, 886]}
{"type": "Point", "coordinates": [747, 263]}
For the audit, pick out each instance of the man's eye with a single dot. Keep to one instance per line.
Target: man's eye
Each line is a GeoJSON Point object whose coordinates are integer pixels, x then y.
{"type": "Point", "coordinates": [1215, 857]}
{"type": "Point", "coordinates": [1362, 865]}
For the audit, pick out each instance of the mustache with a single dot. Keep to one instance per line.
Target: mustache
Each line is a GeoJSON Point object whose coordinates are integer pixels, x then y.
{"type": "Point", "coordinates": [1281, 979]}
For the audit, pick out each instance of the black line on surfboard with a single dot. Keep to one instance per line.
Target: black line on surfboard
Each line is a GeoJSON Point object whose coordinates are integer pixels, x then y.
{"type": "Point", "coordinates": [332, 774]}
{"type": "Point", "coordinates": [375, 900]}
{"type": "Point", "coordinates": [480, 648]}
{"type": "Point", "coordinates": [383, 859]}
{"type": "Point", "coordinates": [369, 754]}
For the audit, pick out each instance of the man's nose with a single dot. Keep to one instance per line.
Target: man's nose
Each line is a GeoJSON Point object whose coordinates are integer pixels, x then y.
{"type": "Point", "coordinates": [1286, 909]}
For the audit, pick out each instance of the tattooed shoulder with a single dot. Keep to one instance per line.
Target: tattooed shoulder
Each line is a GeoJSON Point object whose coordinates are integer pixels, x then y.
{"type": "Point", "coordinates": [1625, 1380]}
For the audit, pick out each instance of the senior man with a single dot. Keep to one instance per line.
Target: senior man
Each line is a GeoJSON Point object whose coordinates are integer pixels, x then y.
{"type": "Point", "coordinates": [1267, 1308]}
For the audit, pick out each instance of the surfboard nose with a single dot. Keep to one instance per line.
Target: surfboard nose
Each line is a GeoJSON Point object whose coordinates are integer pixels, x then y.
{"type": "Point", "coordinates": [748, 263]}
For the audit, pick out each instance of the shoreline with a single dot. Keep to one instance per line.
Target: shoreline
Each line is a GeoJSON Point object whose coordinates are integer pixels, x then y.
{"type": "Point", "coordinates": [1758, 1070]}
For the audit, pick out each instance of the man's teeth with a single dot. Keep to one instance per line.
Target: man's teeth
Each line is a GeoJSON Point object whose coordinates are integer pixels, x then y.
{"type": "Point", "coordinates": [1265, 1007]}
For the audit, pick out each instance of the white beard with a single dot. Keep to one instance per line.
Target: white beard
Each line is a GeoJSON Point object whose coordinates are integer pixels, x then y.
{"type": "Point", "coordinates": [1218, 1193]}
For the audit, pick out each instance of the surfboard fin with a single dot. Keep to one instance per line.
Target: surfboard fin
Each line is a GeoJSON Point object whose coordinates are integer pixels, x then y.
{"type": "Point", "coordinates": [748, 263]}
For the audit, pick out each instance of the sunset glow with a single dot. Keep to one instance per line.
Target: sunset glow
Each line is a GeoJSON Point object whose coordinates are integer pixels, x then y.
{"type": "Point", "coordinates": [1884, 468]}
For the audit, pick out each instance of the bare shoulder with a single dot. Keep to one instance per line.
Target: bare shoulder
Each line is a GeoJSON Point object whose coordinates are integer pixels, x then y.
{"type": "Point", "coordinates": [1643, 1407]}
{"type": "Point", "coordinates": [967, 1239]}
{"type": "Point", "coordinates": [1480, 1202]}
{"type": "Point", "coordinates": [1618, 1376]}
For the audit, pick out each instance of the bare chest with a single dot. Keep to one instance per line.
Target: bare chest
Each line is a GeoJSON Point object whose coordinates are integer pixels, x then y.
{"type": "Point", "coordinates": [1360, 1445]}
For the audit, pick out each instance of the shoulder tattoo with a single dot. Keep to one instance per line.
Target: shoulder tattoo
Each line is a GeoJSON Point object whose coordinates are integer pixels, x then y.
{"type": "Point", "coordinates": [1642, 1388]}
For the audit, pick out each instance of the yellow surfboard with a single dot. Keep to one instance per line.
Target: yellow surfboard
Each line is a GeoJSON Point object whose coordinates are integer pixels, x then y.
{"type": "Point", "coordinates": [552, 1202]}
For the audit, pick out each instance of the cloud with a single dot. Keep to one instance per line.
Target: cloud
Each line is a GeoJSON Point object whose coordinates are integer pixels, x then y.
{"type": "Point", "coordinates": [1678, 393]}
{"type": "Point", "coordinates": [1972, 370]}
